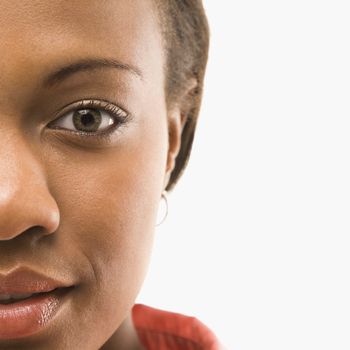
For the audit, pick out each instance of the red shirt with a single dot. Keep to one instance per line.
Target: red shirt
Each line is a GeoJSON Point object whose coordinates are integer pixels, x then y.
{"type": "Point", "coordinates": [164, 330]}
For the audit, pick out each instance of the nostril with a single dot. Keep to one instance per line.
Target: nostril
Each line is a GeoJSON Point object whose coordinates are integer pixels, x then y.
{"type": "Point", "coordinates": [36, 230]}
{"type": "Point", "coordinates": [35, 233]}
{"type": "Point", "coordinates": [32, 234]}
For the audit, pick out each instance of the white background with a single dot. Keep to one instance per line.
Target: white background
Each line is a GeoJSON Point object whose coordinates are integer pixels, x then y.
{"type": "Point", "coordinates": [256, 242]}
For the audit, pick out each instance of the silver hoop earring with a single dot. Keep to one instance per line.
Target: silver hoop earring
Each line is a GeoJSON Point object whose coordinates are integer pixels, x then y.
{"type": "Point", "coordinates": [165, 198]}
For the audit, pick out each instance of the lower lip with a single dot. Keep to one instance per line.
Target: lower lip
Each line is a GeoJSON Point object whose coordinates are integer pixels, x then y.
{"type": "Point", "coordinates": [27, 317]}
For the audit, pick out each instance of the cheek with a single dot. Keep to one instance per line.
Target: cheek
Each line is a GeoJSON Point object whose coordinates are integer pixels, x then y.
{"type": "Point", "coordinates": [108, 203]}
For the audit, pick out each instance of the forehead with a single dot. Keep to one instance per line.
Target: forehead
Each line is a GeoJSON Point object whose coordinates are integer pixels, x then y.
{"type": "Point", "coordinates": [40, 34]}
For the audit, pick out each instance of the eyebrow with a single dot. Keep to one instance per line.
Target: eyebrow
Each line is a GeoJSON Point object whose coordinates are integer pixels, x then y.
{"type": "Point", "coordinates": [88, 64]}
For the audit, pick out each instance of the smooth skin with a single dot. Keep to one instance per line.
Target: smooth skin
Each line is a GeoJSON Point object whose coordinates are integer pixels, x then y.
{"type": "Point", "coordinates": [77, 208]}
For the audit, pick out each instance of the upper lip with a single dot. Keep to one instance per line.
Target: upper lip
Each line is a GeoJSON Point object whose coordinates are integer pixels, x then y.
{"type": "Point", "coordinates": [24, 280]}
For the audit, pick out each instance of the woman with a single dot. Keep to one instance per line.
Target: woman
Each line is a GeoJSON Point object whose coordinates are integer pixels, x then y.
{"type": "Point", "coordinates": [98, 101]}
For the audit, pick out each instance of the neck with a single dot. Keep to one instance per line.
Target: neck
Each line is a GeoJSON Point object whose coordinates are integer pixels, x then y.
{"type": "Point", "coordinates": [124, 338]}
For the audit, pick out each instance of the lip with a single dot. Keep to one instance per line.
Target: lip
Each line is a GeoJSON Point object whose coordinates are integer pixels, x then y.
{"type": "Point", "coordinates": [23, 280]}
{"type": "Point", "coordinates": [28, 316]}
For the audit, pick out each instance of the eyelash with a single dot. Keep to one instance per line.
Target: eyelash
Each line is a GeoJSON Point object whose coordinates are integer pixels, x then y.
{"type": "Point", "coordinates": [119, 116]}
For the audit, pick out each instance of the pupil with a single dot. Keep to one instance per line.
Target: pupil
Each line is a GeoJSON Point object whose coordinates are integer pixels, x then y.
{"type": "Point", "coordinates": [87, 119]}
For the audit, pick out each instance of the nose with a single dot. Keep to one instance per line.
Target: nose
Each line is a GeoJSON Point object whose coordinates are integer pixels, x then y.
{"type": "Point", "coordinates": [25, 200]}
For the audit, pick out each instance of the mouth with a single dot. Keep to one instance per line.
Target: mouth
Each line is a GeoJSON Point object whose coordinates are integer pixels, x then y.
{"type": "Point", "coordinates": [6, 299]}
{"type": "Point", "coordinates": [29, 301]}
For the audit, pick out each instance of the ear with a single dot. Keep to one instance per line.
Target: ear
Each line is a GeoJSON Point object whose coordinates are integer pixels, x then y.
{"type": "Point", "coordinates": [177, 117]}
{"type": "Point", "coordinates": [176, 123]}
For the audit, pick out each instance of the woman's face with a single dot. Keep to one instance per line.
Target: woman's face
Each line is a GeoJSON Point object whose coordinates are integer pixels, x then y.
{"type": "Point", "coordinates": [82, 208]}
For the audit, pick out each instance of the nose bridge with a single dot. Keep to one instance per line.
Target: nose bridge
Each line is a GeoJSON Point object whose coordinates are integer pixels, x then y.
{"type": "Point", "coordinates": [25, 200]}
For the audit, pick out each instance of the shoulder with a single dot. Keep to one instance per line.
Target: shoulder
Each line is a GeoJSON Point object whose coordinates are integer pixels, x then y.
{"type": "Point", "coordinates": [163, 330]}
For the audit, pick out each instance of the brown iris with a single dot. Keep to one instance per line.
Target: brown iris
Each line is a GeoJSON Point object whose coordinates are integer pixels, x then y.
{"type": "Point", "coordinates": [87, 119]}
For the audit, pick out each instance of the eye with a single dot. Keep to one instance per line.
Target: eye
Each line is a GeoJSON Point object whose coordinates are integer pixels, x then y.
{"type": "Point", "coordinates": [89, 118]}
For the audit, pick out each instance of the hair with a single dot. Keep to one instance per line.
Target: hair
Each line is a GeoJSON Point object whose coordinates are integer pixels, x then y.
{"type": "Point", "coordinates": [186, 41]}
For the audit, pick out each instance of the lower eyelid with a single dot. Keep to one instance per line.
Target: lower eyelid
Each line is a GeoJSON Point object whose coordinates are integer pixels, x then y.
{"type": "Point", "coordinates": [105, 134]}
{"type": "Point", "coordinates": [80, 139]}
